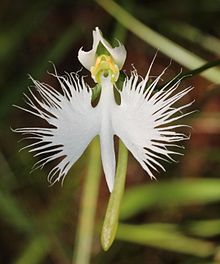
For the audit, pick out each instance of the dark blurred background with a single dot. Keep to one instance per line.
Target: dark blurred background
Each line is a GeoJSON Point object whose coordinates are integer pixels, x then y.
{"type": "Point", "coordinates": [174, 220]}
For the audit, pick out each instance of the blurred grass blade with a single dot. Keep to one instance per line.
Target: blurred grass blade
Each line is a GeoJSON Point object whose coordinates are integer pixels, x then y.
{"type": "Point", "coordinates": [8, 178]}
{"type": "Point", "coordinates": [166, 194]}
{"type": "Point", "coordinates": [192, 34]}
{"type": "Point", "coordinates": [82, 250]}
{"type": "Point", "coordinates": [204, 228]}
{"type": "Point", "coordinates": [13, 213]}
{"type": "Point", "coordinates": [55, 53]}
{"type": "Point", "coordinates": [35, 251]}
{"type": "Point", "coordinates": [168, 47]}
{"type": "Point", "coordinates": [163, 238]}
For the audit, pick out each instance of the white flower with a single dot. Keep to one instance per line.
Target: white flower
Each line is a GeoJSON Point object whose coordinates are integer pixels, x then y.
{"type": "Point", "coordinates": [143, 120]}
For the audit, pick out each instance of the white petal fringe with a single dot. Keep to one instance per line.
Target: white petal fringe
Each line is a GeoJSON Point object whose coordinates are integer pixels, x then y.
{"type": "Point", "coordinates": [143, 121]}
{"type": "Point", "coordinates": [72, 119]}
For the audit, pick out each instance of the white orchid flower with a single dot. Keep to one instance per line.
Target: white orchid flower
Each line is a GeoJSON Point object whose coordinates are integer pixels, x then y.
{"type": "Point", "coordinates": [143, 120]}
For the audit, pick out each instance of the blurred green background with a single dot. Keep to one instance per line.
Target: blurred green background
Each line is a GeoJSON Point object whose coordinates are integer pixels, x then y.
{"type": "Point", "coordinates": [174, 220]}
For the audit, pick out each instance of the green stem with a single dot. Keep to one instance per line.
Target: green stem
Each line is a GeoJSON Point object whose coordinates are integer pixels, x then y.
{"type": "Point", "coordinates": [110, 224]}
{"type": "Point", "coordinates": [191, 73]}
{"type": "Point", "coordinates": [199, 70]}
{"type": "Point", "coordinates": [88, 207]}
{"type": "Point", "coordinates": [158, 41]}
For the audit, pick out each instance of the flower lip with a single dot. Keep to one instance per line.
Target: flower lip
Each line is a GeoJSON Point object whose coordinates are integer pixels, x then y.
{"type": "Point", "coordinates": [88, 58]}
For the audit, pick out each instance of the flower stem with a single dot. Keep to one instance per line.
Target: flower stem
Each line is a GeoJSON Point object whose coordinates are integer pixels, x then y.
{"type": "Point", "coordinates": [110, 224]}
{"type": "Point", "coordinates": [88, 207]}
{"type": "Point", "coordinates": [191, 73]}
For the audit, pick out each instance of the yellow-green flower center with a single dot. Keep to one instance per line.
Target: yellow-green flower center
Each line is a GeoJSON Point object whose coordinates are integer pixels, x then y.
{"type": "Point", "coordinates": [105, 66]}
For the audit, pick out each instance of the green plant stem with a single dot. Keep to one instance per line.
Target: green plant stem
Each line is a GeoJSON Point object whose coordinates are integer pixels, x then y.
{"type": "Point", "coordinates": [110, 224]}
{"type": "Point", "coordinates": [88, 207]}
{"type": "Point", "coordinates": [191, 73]}
{"type": "Point", "coordinates": [204, 67]}
{"type": "Point", "coordinates": [165, 45]}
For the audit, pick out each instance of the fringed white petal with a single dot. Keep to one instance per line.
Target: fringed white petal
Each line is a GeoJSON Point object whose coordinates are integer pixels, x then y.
{"type": "Point", "coordinates": [143, 120]}
{"type": "Point", "coordinates": [88, 58]}
{"type": "Point", "coordinates": [72, 120]}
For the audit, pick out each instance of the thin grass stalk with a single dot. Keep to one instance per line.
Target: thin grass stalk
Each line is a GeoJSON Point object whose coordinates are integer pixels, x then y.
{"type": "Point", "coordinates": [82, 251]}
